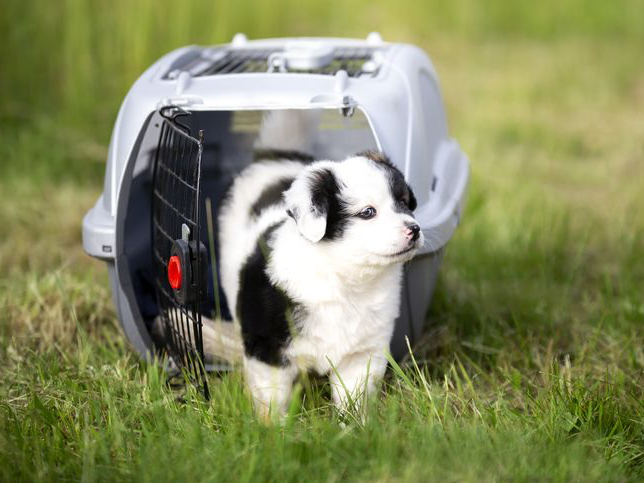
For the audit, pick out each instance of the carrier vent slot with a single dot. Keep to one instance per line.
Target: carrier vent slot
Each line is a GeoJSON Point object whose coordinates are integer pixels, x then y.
{"type": "Point", "coordinates": [356, 61]}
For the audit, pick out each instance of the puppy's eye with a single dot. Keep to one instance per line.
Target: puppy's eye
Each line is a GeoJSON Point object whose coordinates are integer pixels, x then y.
{"type": "Point", "coordinates": [367, 213]}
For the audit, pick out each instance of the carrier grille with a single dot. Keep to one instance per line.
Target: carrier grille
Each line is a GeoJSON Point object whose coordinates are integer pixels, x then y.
{"type": "Point", "coordinates": [356, 61]}
{"type": "Point", "coordinates": [175, 211]}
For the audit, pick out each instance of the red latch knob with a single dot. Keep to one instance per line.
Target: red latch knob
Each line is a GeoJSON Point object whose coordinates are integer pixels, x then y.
{"type": "Point", "coordinates": [174, 272]}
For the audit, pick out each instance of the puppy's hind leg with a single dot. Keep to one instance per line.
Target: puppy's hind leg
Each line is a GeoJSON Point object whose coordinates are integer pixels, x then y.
{"type": "Point", "coordinates": [270, 387]}
{"type": "Point", "coordinates": [355, 379]}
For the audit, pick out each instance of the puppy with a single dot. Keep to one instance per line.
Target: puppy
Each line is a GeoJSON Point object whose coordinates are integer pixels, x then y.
{"type": "Point", "coordinates": [311, 263]}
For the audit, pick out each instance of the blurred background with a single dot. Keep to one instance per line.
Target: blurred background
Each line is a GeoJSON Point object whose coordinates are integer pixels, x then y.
{"type": "Point", "coordinates": [536, 329]}
{"type": "Point", "coordinates": [545, 97]}
{"type": "Point", "coordinates": [75, 59]}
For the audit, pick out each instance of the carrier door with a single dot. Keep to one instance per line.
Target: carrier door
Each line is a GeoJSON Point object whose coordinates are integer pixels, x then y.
{"type": "Point", "coordinates": [179, 256]}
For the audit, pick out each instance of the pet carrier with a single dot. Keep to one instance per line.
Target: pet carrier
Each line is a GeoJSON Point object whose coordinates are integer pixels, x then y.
{"type": "Point", "coordinates": [188, 125]}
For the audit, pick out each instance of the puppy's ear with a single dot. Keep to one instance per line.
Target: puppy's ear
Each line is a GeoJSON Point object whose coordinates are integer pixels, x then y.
{"type": "Point", "coordinates": [381, 159]}
{"type": "Point", "coordinates": [412, 203]}
{"type": "Point", "coordinates": [308, 201]}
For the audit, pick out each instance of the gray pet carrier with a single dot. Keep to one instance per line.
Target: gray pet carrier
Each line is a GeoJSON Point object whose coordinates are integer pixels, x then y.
{"type": "Point", "coordinates": [187, 127]}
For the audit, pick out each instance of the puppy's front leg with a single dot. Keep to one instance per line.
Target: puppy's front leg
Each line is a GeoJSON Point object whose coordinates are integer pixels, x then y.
{"type": "Point", "coordinates": [355, 378]}
{"type": "Point", "coordinates": [270, 387]}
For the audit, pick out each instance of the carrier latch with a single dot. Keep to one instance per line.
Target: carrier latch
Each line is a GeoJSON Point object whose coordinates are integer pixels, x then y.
{"type": "Point", "coordinates": [183, 271]}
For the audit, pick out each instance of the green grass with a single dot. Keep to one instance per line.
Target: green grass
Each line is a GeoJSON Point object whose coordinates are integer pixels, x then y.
{"type": "Point", "coordinates": [532, 365]}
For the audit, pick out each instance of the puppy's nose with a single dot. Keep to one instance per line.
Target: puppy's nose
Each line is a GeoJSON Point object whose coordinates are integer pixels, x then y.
{"type": "Point", "coordinates": [413, 232]}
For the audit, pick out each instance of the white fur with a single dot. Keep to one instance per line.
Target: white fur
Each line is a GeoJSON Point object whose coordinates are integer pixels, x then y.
{"type": "Point", "coordinates": [350, 289]}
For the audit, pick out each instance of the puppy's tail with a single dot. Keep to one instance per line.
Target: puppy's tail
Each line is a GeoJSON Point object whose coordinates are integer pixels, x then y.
{"type": "Point", "coordinates": [222, 341]}
{"type": "Point", "coordinates": [289, 130]}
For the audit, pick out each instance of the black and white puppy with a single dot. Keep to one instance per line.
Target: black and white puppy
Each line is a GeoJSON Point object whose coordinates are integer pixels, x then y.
{"type": "Point", "coordinates": [311, 263]}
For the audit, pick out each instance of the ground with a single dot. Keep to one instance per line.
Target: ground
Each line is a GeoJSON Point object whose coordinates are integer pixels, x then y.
{"type": "Point", "coordinates": [531, 367]}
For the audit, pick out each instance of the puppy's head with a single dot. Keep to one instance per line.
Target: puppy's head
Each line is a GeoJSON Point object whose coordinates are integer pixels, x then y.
{"type": "Point", "coordinates": [360, 207]}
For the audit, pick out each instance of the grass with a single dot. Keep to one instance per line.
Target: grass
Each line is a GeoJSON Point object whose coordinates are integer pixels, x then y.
{"type": "Point", "coordinates": [532, 364]}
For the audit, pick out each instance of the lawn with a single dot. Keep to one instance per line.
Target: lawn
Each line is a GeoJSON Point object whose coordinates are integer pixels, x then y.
{"type": "Point", "coordinates": [532, 365]}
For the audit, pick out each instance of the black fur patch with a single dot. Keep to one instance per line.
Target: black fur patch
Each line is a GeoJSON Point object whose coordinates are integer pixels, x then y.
{"type": "Point", "coordinates": [400, 190]}
{"type": "Point", "coordinates": [281, 154]}
{"type": "Point", "coordinates": [326, 200]}
{"type": "Point", "coordinates": [271, 195]}
{"type": "Point", "coordinates": [263, 309]}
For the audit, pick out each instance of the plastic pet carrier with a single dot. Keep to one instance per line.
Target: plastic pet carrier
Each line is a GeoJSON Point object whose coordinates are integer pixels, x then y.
{"type": "Point", "coordinates": [187, 127]}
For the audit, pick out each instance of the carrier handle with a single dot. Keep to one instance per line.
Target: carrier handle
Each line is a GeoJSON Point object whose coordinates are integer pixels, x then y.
{"type": "Point", "coordinates": [439, 217]}
{"type": "Point", "coordinates": [301, 56]}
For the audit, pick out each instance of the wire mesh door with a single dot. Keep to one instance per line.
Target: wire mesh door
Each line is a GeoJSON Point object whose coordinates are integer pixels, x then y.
{"type": "Point", "coordinates": [180, 257]}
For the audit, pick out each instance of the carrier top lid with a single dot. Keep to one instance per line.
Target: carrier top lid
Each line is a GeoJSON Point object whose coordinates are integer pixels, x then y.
{"type": "Point", "coordinates": [400, 100]}
{"type": "Point", "coordinates": [305, 56]}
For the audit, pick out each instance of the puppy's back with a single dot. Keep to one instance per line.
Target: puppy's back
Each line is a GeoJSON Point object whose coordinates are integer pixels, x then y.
{"type": "Point", "coordinates": [254, 202]}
